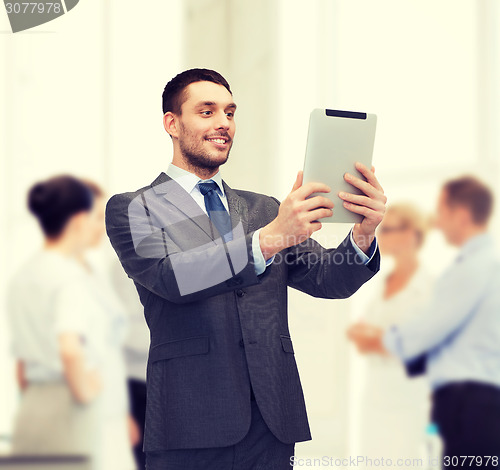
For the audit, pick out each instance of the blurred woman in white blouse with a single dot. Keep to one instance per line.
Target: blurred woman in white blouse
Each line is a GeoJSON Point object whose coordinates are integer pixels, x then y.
{"type": "Point", "coordinates": [394, 408]}
{"type": "Point", "coordinates": [120, 431]}
{"type": "Point", "coordinates": [66, 336]}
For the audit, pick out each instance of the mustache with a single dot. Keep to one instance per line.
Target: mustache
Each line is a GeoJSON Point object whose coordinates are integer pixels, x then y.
{"type": "Point", "coordinates": [220, 134]}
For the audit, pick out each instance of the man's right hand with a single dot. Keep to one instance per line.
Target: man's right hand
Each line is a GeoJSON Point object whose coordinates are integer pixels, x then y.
{"type": "Point", "coordinates": [297, 218]}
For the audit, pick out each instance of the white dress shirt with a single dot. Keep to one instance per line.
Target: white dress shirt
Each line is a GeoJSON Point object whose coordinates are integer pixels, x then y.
{"type": "Point", "coordinates": [459, 328]}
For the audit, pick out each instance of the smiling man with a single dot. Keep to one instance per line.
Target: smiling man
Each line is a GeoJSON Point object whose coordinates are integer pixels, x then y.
{"type": "Point", "coordinates": [211, 265]}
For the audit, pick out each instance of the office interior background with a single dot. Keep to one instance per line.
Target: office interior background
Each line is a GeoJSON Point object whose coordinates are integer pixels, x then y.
{"type": "Point", "coordinates": [82, 95]}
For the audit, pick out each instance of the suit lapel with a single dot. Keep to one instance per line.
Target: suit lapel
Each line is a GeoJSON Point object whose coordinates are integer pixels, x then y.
{"type": "Point", "coordinates": [238, 208]}
{"type": "Point", "coordinates": [175, 194]}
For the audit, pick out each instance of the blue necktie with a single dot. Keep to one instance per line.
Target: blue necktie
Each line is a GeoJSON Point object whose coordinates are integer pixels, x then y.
{"type": "Point", "coordinates": [216, 210]}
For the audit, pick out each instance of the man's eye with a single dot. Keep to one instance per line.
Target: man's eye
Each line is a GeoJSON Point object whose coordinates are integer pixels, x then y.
{"type": "Point", "coordinates": [206, 113]}
{"type": "Point", "coordinates": [230, 114]}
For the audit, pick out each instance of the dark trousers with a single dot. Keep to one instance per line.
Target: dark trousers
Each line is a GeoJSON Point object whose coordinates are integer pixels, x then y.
{"type": "Point", "coordinates": [137, 394]}
{"type": "Point", "coordinates": [258, 450]}
{"type": "Point", "coordinates": [468, 417]}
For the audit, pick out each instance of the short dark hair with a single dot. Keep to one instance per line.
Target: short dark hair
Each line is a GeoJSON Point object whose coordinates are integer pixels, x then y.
{"type": "Point", "coordinates": [470, 192]}
{"type": "Point", "coordinates": [54, 201]}
{"type": "Point", "coordinates": [95, 189]}
{"type": "Point", "coordinates": [174, 92]}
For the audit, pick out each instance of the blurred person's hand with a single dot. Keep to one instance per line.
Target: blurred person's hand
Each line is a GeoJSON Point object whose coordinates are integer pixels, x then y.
{"type": "Point", "coordinates": [367, 338]}
{"type": "Point", "coordinates": [90, 388]}
{"type": "Point", "coordinates": [94, 384]}
{"type": "Point", "coordinates": [134, 431]}
{"type": "Point", "coordinates": [84, 384]}
{"type": "Point", "coordinates": [371, 205]}
{"type": "Point", "coordinates": [22, 383]}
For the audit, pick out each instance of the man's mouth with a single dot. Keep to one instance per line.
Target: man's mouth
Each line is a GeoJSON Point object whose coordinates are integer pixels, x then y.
{"type": "Point", "coordinates": [219, 140]}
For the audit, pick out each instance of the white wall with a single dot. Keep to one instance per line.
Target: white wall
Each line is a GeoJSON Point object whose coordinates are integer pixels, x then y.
{"type": "Point", "coordinates": [83, 94]}
{"type": "Point", "coordinates": [429, 70]}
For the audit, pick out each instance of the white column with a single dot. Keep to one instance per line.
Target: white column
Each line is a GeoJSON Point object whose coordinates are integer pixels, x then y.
{"type": "Point", "coordinates": [237, 38]}
{"type": "Point", "coordinates": [488, 58]}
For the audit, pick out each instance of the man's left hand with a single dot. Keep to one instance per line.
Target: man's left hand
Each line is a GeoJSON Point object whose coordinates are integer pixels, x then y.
{"type": "Point", "coordinates": [371, 205]}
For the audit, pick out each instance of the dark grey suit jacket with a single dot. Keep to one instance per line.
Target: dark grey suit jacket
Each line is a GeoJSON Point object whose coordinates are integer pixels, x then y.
{"type": "Point", "coordinates": [216, 326]}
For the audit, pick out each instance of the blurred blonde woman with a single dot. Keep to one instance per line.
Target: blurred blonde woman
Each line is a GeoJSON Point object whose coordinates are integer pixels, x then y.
{"type": "Point", "coordinates": [394, 408]}
{"type": "Point", "coordinates": [67, 335]}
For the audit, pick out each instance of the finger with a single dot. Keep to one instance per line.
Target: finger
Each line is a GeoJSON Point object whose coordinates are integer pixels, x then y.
{"type": "Point", "coordinates": [365, 211]}
{"type": "Point", "coordinates": [369, 175]}
{"type": "Point", "coordinates": [312, 187]}
{"type": "Point", "coordinates": [313, 215]}
{"type": "Point", "coordinates": [315, 226]}
{"type": "Point", "coordinates": [298, 180]}
{"type": "Point", "coordinates": [364, 186]}
{"type": "Point", "coordinates": [362, 200]}
{"type": "Point", "coordinates": [373, 169]}
{"type": "Point", "coordinates": [317, 202]}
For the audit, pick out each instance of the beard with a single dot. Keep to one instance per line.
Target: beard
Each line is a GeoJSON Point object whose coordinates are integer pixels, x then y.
{"type": "Point", "coordinates": [197, 155]}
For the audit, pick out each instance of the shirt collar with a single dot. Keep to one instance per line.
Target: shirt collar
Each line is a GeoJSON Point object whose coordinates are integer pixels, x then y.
{"type": "Point", "coordinates": [482, 240]}
{"type": "Point", "coordinates": [189, 180]}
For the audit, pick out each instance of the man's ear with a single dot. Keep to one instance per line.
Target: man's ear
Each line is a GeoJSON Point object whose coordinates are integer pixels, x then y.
{"type": "Point", "coordinates": [170, 123]}
{"type": "Point", "coordinates": [464, 215]}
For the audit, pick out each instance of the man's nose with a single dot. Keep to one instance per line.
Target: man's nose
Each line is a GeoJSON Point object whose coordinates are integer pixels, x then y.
{"type": "Point", "coordinates": [222, 121]}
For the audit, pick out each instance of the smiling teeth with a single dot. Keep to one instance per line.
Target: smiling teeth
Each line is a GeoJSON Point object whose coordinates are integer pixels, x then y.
{"type": "Point", "coordinates": [218, 141]}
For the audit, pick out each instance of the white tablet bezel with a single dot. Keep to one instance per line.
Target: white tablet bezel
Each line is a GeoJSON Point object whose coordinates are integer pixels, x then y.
{"type": "Point", "coordinates": [336, 140]}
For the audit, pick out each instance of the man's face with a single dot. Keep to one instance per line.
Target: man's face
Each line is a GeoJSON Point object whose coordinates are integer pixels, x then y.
{"type": "Point", "coordinates": [448, 219]}
{"type": "Point", "coordinates": [206, 125]}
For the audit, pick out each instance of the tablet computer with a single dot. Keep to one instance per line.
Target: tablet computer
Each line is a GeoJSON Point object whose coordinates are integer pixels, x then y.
{"type": "Point", "coordinates": [336, 140]}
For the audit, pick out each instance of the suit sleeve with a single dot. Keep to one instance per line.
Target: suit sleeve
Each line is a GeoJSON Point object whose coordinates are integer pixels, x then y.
{"type": "Point", "coordinates": [161, 267]}
{"type": "Point", "coordinates": [329, 273]}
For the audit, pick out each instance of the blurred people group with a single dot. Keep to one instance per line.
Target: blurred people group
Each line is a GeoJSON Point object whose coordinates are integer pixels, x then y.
{"type": "Point", "coordinates": [450, 332]}
{"type": "Point", "coordinates": [68, 331]}
{"type": "Point", "coordinates": [432, 348]}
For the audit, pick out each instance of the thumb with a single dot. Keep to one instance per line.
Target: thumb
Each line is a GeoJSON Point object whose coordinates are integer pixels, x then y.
{"type": "Point", "coordinates": [298, 181]}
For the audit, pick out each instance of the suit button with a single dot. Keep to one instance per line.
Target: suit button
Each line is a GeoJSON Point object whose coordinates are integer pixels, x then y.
{"type": "Point", "coordinates": [240, 293]}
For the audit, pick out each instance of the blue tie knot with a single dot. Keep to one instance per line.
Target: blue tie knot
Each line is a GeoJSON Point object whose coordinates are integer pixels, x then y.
{"type": "Point", "coordinates": [206, 187]}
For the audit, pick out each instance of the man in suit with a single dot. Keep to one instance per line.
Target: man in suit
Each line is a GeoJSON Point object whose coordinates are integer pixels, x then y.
{"type": "Point", "coordinates": [455, 337]}
{"type": "Point", "coordinates": [211, 265]}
